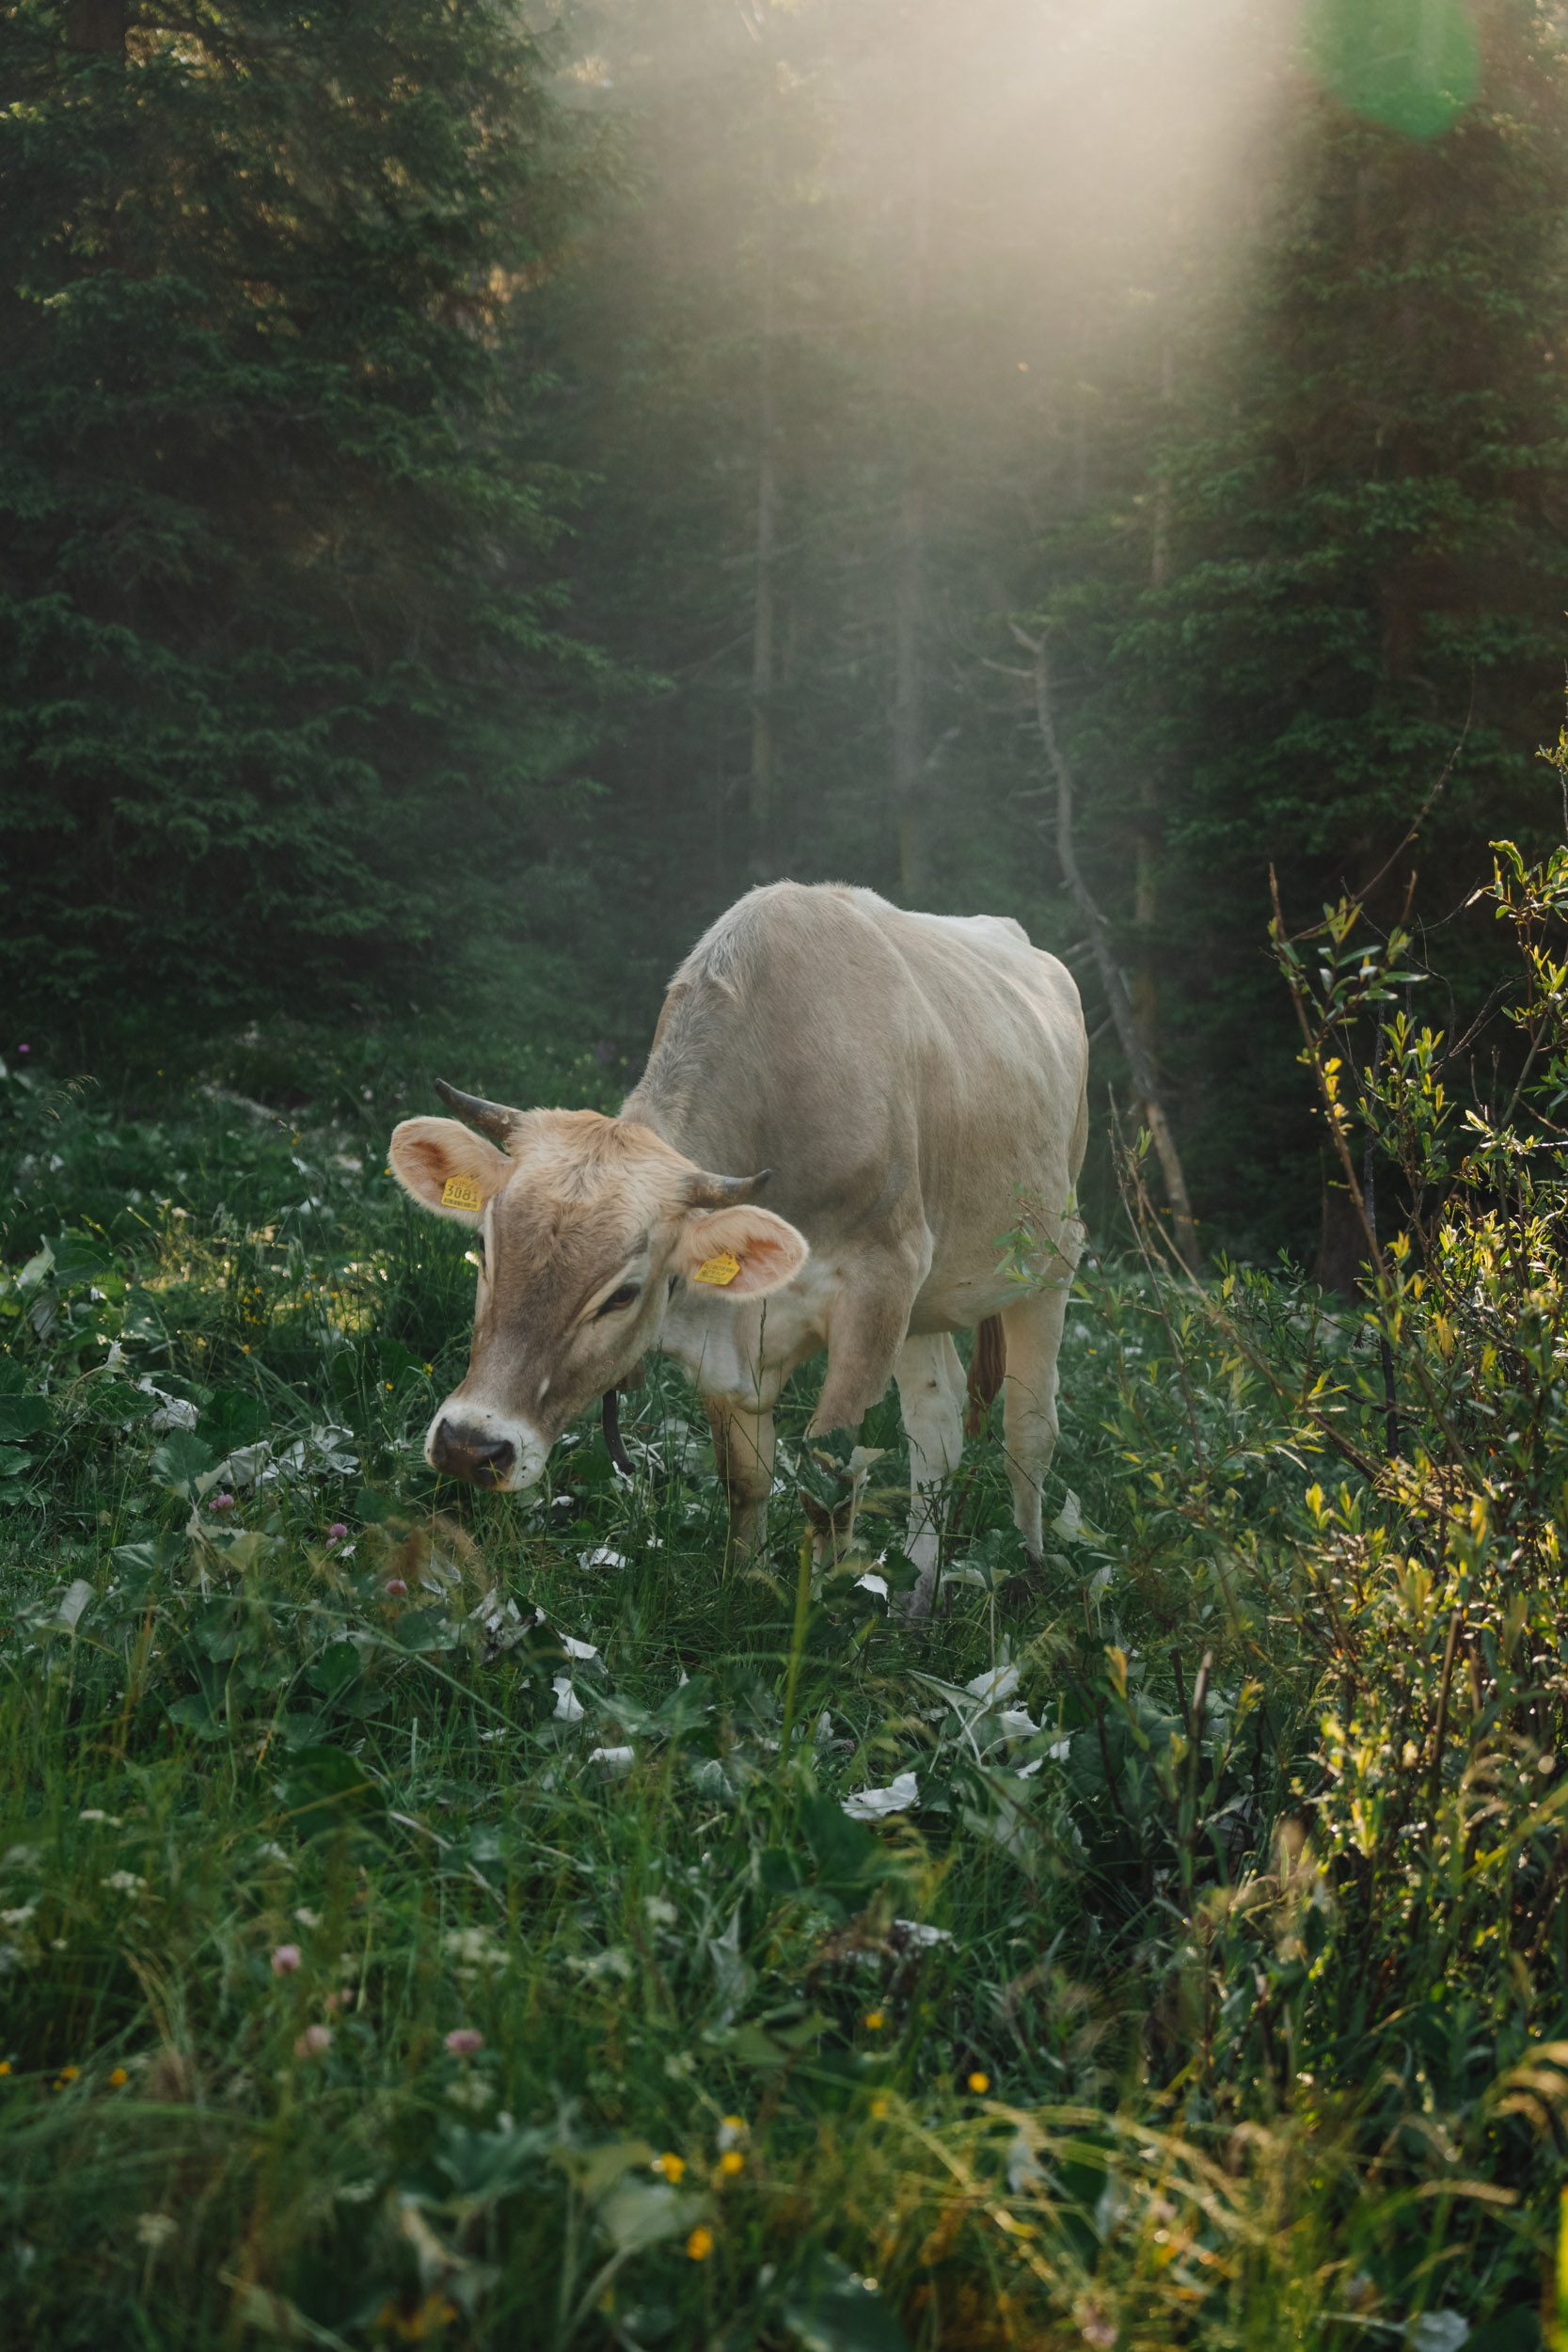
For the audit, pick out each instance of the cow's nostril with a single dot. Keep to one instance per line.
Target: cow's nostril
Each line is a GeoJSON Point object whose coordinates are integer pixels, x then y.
{"type": "Point", "coordinates": [461, 1454]}
{"type": "Point", "coordinates": [494, 1460]}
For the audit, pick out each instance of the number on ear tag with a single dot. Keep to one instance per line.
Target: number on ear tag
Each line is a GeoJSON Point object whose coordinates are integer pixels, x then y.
{"type": "Point", "coordinates": [720, 1271]}
{"type": "Point", "coordinates": [460, 1192]}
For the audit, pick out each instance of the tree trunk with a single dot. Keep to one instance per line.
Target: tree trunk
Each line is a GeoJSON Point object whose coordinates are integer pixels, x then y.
{"type": "Point", "coordinates": [909, 689]}
{"type": "Point", "coordinates": [1145, 871]}
{"type": "Point", "coordinates": [1123, 1018]}
{"type": "Point", "coordinates": [911, 781]}
{"type": "Point", "coordinates": [762, 804]}
{"type": "Point", "coordinates": [96, 27]}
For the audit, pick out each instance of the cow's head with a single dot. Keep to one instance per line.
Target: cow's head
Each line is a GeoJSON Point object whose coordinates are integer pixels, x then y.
{"type": "Point", "coordinates": [583, 1227]}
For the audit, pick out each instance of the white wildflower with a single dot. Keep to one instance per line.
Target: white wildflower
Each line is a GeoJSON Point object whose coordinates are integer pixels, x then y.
{"type": "Point", "coordinates": [921, 1933]}
{"type": "Point", "coordinates": [474, 1949]}
{"type": "Point", "coordinates": [473, 2093]}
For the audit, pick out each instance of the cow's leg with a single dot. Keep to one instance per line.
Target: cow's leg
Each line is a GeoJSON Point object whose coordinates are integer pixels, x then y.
{"type": "Point", "coordinates": [1033, 1330]}
{"type": "Point", "coordinates": [930, 1402]}
{"type": "Point", "coordinates": [865, 1331]}
{"type": "Point", "coordinates": [743, 1450]}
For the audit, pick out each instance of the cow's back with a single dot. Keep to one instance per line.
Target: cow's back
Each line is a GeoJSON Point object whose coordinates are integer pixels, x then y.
{"type": "Point", "coordinates": [888, 1066]}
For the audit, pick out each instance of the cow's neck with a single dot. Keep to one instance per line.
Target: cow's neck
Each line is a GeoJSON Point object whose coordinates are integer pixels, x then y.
{"type": "Point", "coordinates": [673, 1096]}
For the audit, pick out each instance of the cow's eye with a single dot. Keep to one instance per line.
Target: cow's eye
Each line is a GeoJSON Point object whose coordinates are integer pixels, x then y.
{"type": "Point", "coordinates": [627, 1295]}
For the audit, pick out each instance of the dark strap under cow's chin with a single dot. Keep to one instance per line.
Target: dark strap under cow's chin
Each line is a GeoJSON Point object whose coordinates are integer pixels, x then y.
{"type": "Point", "coordinates": [610, 1410]}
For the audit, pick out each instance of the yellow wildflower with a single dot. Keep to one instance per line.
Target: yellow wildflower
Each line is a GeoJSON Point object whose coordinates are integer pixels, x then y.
{"type": "Point", "coordinates": [979, 2083]}
{"type": "Point", "coordinates": [118, 2079]}
{"type": "Point", "coordinates": [875, 2020]}
{"type": "Point", "coordinates": [70, 2073]}
{"type": "Point", "coordinates": [732, 2161]}
{"type": "Point", "coordinates": [670, 2165]}
{"type": "Point", "coordinates": [700, 2244]}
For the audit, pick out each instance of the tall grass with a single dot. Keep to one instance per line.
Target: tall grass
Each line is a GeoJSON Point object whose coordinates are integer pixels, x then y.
{"type": "Point", "coordinates": [1208, 1987]}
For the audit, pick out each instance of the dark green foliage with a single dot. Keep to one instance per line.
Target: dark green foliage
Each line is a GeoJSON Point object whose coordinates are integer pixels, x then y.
{"type": "Point", "coordinates": [1356, 474]}
{"type": "Point", "coordinates": [279, 656]}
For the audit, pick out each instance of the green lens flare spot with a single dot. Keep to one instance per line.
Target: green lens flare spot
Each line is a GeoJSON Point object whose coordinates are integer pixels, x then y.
{"type": "Point", "coordinates": [1411, 65]}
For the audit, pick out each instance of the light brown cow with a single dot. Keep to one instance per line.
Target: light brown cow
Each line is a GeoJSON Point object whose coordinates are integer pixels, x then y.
{"type": "Point", "coordinates": [911, 1087]}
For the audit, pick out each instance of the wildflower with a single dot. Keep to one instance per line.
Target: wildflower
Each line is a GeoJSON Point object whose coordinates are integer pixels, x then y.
{"type": "Point", "coordinates": [699, 2245]}
{"type": "Point", "coordinates": [671, 2165]}
{"type": "Point", "coordinates": [223, 1501]}
{"type": "Point", "coordinates": [1094, 2326]}
{"type": "Point", "coordinates": [313, 2040]}
{"type": "Point", "coordinates": [732, 2131]}
{"type": "Point", "coordinates": [336, 1533]}
{"type": "Point", "coordinates": [464, 2040]}
{"type": "Point", "coordinates": [879, 2107]}
{"type": "Point", "coordinates": [307, 1917]}
{"type": "Point", "coordinates": [154, 2230]}
{"type": "Point", "coordinates": [731, 2162]}
{"type": "Point", "coordinates": [118, 2079]}
{"type": "Point", "coordinates": [67, 2075]}
{"type": "Point", "coordinates": [979, 2083]}
{"type": "Point", "coordinates": [125, 1881]}
{"type": "Point", "coordinates": [474, 2093]}
{"type": "Point", "coordinates": [875, 2020]}
{"type": "Point", "coordinates": [5, 2066]}
{"type": "Point", "coordinates": [285, 1960]}
{"type": "Point", "coordinates": [395, 1586]}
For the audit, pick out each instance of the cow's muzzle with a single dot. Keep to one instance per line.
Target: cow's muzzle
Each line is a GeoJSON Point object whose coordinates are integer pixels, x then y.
{"type": "Point", "coordinates": [471, 1455]}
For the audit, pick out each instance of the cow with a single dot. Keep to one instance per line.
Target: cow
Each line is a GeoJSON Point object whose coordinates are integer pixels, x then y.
{"type": "Point", "coordinates": [907, 1088]}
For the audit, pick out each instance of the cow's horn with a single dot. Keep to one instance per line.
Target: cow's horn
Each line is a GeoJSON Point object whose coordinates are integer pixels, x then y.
{"type": "Point", "coordinates": [724, 1192]}
{"type": "Point", "coordinates": [492, 1119]}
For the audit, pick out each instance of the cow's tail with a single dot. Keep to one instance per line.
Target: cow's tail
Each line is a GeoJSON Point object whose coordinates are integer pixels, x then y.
{"type": "Point", "coordinates": [986, 1368]}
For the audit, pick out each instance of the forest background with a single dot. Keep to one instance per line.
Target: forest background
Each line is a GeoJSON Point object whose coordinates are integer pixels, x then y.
{"type": "Point", "coordinates": [479, 488]}
{"type": "Point", "coordinates": [479, 493]}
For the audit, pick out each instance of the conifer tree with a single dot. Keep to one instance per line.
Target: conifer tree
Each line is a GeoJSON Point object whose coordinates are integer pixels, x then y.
{"type": "Point", "coordinates": [282, 672]}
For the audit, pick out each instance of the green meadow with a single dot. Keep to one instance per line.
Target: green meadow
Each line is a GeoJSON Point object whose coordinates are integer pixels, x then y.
{"type": "Point", "coordinates": [445, 1918]}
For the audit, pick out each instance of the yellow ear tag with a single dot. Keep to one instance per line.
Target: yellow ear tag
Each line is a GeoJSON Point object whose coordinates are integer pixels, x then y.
{"type": "Point", "coordinates": [720, 1271]}
{"type": "Point", "coordinates": [460, 1192]}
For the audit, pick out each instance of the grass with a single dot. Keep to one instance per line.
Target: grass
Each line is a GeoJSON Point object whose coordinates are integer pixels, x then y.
{"type": "Point", "coordinates": [1208, 1991]}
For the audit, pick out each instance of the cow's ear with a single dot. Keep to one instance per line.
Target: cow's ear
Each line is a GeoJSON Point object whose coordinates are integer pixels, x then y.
{"type": "Point", "coordinates": [739, 1253]}
{"type": "Point", "coordinates": [446, 1167]}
